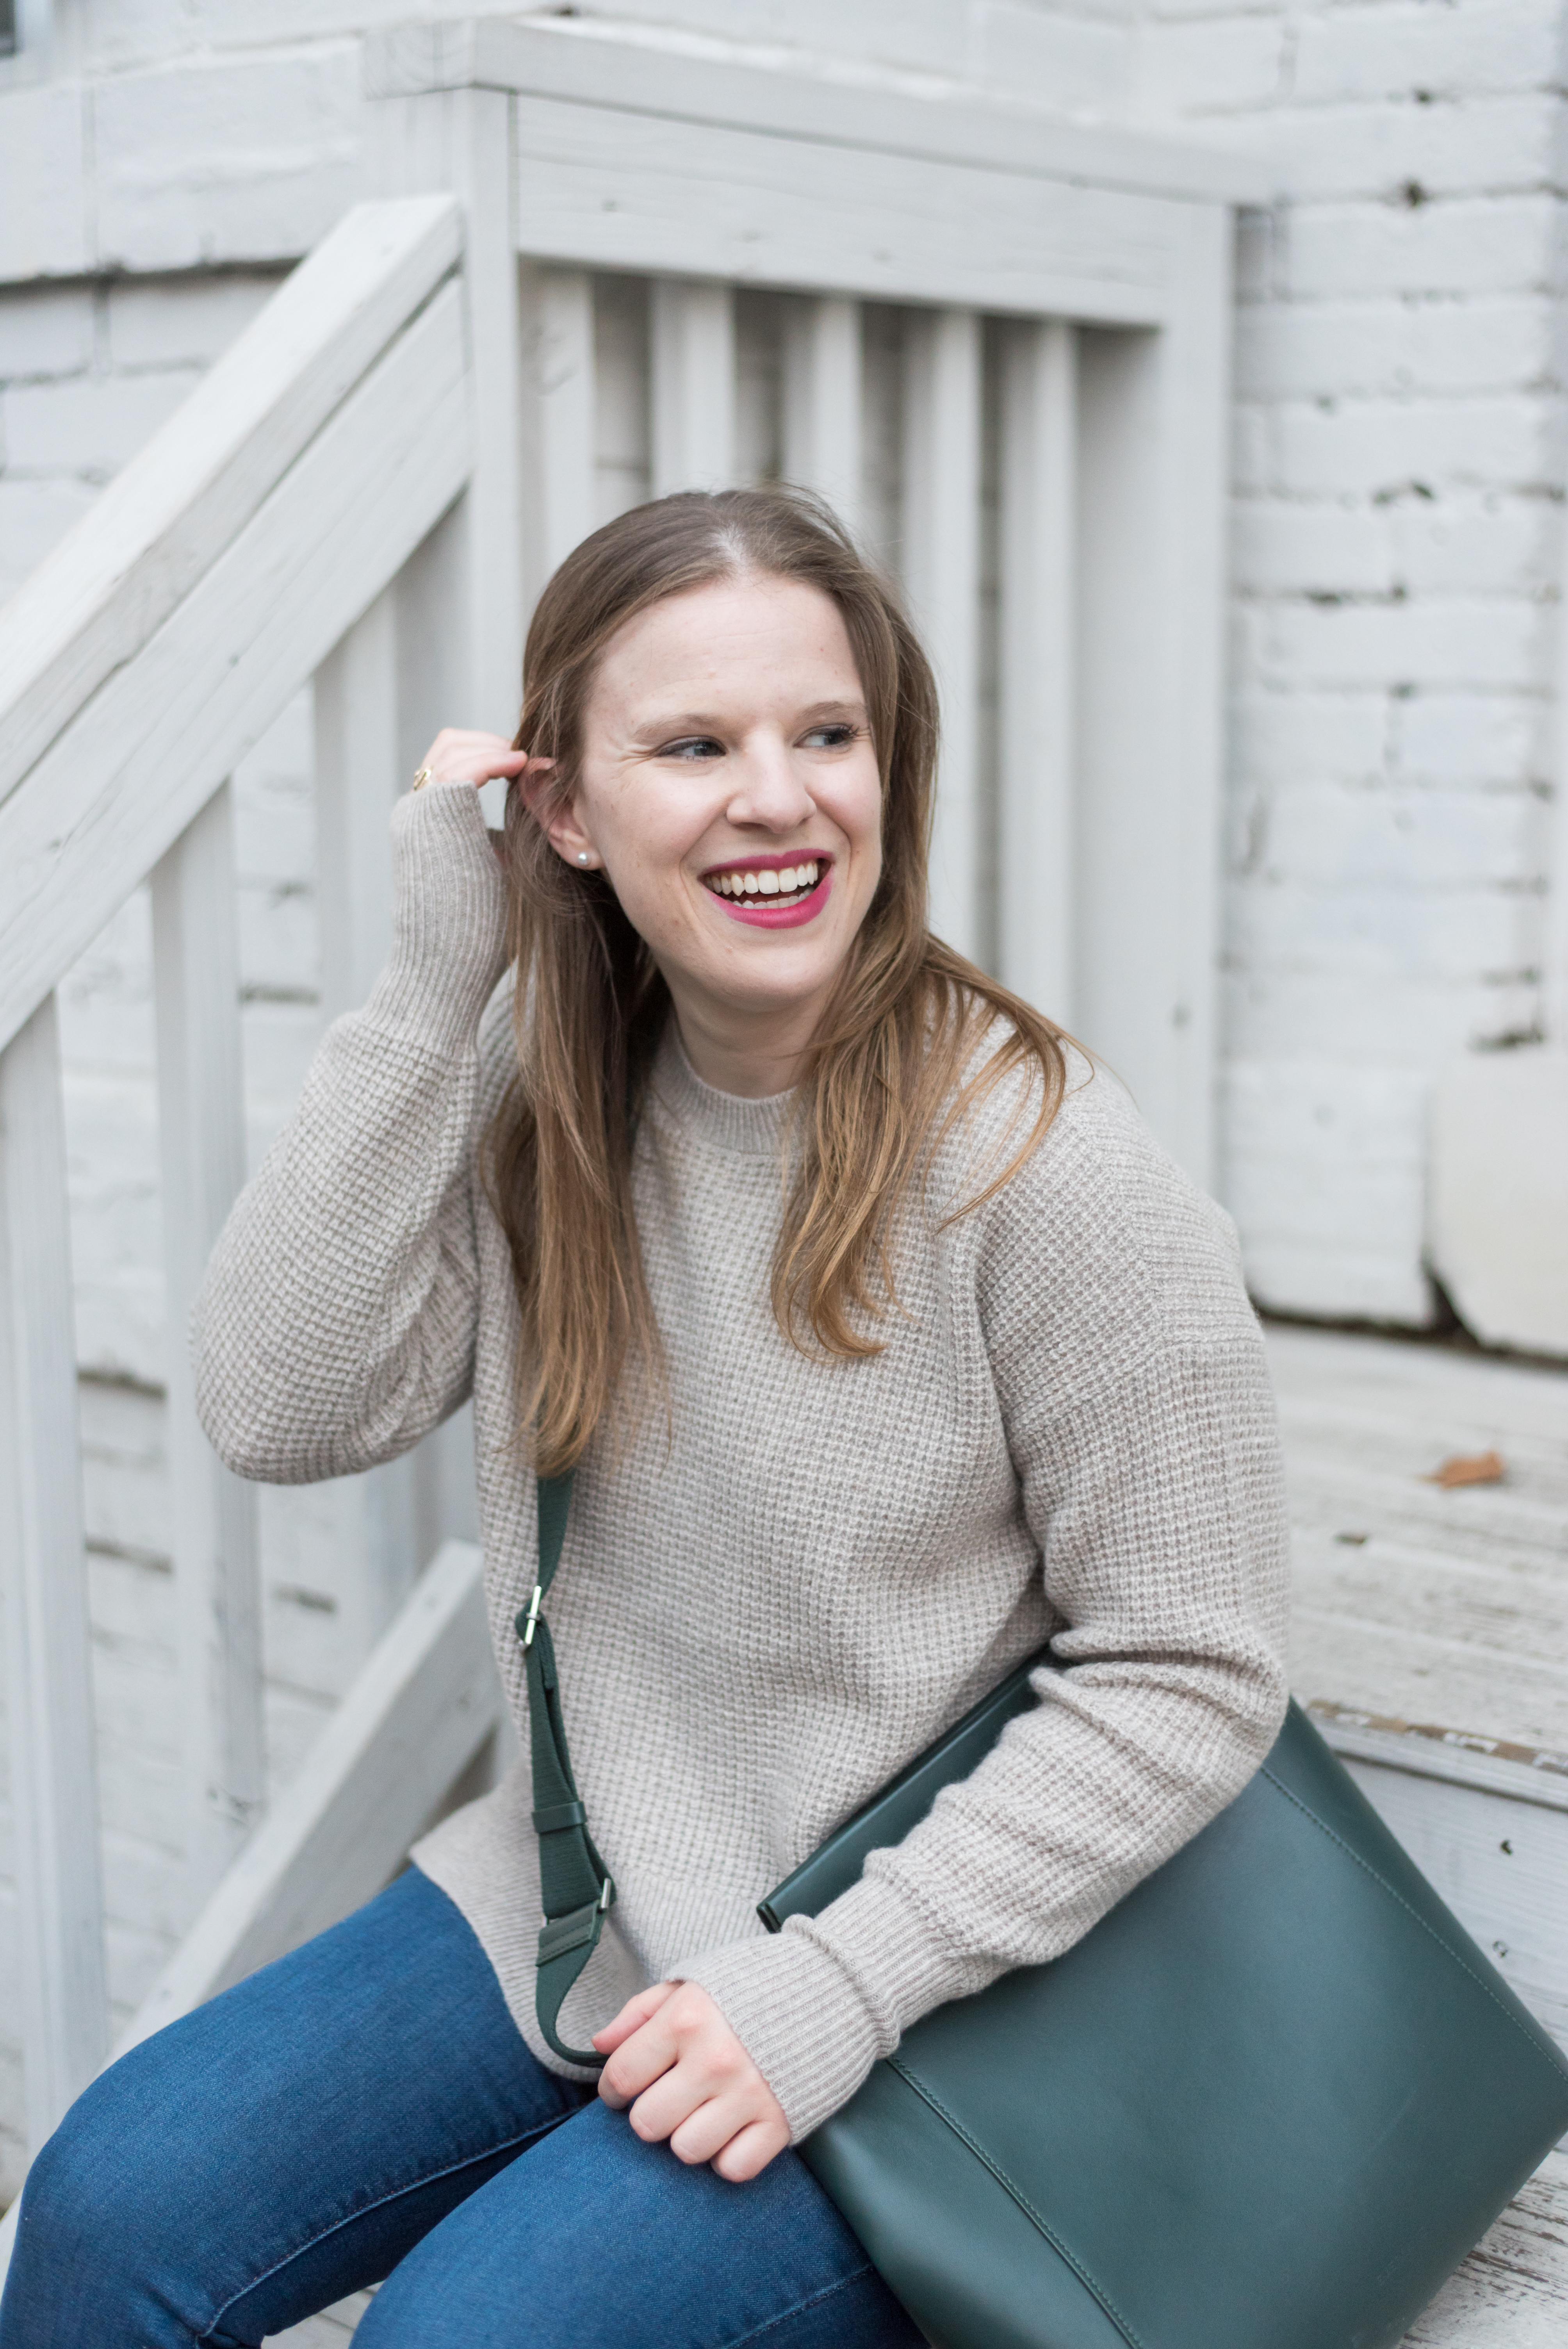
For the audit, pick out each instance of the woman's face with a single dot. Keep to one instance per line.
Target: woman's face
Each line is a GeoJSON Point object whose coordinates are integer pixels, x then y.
{"type": "Point", "coordinates": [728, 787]}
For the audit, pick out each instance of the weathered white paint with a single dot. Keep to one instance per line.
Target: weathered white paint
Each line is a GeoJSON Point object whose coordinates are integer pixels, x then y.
{"type": "Point", "coordinates": [1038, 880]}
{"type": "Point", "coordinates": [460, 139]}
{"type": "Point", "coordinates": [1151, 478]}
{"type": "Point", "coordinates": [131, 769]}
{"type": "Point", "coordinates": [692, 390]}
{"type": "Point", "coordinates": [161, 523]}
{"type": "Point", "coordinates": [558, 391]}
{"type": "Point", "coordinates": [357, 780]}
{"type": "Point", "coordinates": [421, 1710]}
{"type": "Point", "coordinates": [823, 401]}
{"type": "Point", "coordinates": [49, 1684]}
{"type": "Point", "coordinates": [202, 1130]}
{"type": "Point", "coordinates": [1498, 1854]}
{"type": "Point", "coordinates": [356, 766]}
{"type": "Point", "coordinates": [941, 566]}
{"type": "Point", "coordinates": [626, 74]}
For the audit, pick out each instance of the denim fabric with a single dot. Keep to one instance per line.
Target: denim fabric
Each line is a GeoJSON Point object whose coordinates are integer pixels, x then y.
{"type": "Point", "coordinates": [365, 2109]}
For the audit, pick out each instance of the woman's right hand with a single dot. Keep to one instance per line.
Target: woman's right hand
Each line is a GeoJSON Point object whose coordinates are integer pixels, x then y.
{"type": "Point", "coordinates": [458, 755]}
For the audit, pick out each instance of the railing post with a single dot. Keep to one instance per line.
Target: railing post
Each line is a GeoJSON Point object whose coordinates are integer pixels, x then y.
{"type": "Point", "coordinates": [43, 1579]}
{"type": "Point", "coordinates": [1036, 887]}
{"type": "Point", "coordinates": [942, 572]}
{"type": "Point", "coordinates": [558, 404]}
{"type": "Point", "coordinates": [692, 341]}
{"type": "Point", "coordinates": [461, 139]}
{"type": "Point", "coordinates": [823, 427]}
{"type": "Point", "coordinates": [1150, 609]}
{"type": "Point", "coordinates": [357, 777]}
{"type": "Point", "coordinates": [201, 1123]}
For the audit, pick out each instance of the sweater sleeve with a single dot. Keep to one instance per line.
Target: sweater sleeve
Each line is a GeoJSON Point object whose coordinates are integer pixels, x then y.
{"type": "Point", "coordinates": [1138, 1413]}
{"type": "Point", "coordinates": [335, 1324]}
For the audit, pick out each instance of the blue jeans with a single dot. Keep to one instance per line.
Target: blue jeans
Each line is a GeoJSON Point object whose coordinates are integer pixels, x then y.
{"type": "Point", "coordinates": [365, 2110]}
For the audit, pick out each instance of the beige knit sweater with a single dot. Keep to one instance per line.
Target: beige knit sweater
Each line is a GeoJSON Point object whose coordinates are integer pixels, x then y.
{"type": "Point", "coordinates": [770, 1599]}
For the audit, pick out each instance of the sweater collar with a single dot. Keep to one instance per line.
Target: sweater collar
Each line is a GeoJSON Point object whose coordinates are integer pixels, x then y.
{"type": "Point", "coordinates": [750, 1129]}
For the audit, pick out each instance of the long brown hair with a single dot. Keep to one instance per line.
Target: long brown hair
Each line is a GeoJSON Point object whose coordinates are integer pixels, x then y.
{"type": "Point", "coordinates": [891, 1068]}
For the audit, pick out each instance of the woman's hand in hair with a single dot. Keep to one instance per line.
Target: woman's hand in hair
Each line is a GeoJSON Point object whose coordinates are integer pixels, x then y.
{"type": "Point", "coordinates": [458, 755]}
{"type": "Point", "coordinates": [688, 2079]}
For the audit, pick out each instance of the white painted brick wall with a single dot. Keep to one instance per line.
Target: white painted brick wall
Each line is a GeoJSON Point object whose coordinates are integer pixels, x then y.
{"type": "Point", "coordinates": [1399, 490]}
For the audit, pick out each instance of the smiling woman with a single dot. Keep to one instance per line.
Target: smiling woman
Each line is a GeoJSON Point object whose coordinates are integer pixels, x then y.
{"type": "Point", "coordinates": [884, 1346]}
{"type": "Point", "coordinates": [717, 689]}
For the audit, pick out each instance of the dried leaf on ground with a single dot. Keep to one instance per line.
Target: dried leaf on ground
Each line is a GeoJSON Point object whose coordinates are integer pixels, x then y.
{"type": "Point", "coordinates": [1469, 1468]}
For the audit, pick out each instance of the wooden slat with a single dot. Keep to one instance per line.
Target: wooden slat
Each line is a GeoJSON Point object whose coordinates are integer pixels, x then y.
{"type": "Point", "coordinates": [43, 1579]}
{"type": "Point", "coordinates": [201, 1138]}
{"type": "Point", "coordinates": [1150, 604]}
{"type": "Point", "coordinates": [421, 1708]}
{"type": "Point", "coordinates": [357, 782]}
{"type": "Point", "coordinates": [460, 139]}
{"type": "Point", "coordinates": [358, 779]}
{"type": "Point", "coordinates": [823, 427]}
{"type": "Point", "coordinates": [558, 417]}
{"type": "Point", "coordinates": [607, 190]}
{"type": "Point", "coordinates": [1035, 785]}
{"type": "Point", "coordinates": [942, 573]}
{"type": "Point", "coordinates": [1501, 1865]}
{"type": "Point", "coordinates": [115, 577]}
{"type": "Point", "coordinates": [691, 359]}
{"type": "Point", "coordinates": [132, 769]}
{"type": "Point", "coordinates": [633, 76]}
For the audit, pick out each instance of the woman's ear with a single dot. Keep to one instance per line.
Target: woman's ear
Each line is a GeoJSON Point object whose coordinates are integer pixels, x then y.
{"type": "Point", "coordinates": [559, 819]}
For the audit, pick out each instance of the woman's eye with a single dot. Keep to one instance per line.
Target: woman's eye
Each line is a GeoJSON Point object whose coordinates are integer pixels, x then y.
{"type": "Point", "coordinates": [693, 746]}
{"type": "Point", "coordinates": [830, 737]}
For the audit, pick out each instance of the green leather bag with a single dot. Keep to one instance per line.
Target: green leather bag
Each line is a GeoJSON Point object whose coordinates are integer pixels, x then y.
{"type": "Point", "coordinates": [1270, 2101]}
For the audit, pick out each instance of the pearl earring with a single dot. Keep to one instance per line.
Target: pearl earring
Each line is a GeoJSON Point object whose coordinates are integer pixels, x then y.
{"type": "Point", "coordinates": [582, 856]}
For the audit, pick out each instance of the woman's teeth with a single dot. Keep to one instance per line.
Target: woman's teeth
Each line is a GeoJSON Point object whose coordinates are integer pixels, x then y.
{"type": "Point", "coordinates": [787, 885]}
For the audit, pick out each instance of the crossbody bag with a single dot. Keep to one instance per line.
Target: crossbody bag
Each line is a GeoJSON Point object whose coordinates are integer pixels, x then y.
{"type": "Point", "coordinates": [1269, 2102]}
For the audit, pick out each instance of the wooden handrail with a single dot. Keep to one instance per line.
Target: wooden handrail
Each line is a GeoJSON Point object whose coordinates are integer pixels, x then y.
{"type": "Point", "coordinates": [149, 651]}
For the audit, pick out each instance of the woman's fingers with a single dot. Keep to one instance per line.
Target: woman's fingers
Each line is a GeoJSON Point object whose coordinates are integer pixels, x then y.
{"type": "Point", "coordinates": [690, 2081]}
{"type": "Point", "coordinates": [632, 2017]}
{"type": "Point", "coordinates": [643, 2057]}
{"type": "Point", "coordinates": [749, 2151]}
{"type": "Point", "coordinates": [707, 2131]}
{"type": "Point", "coordinates": [460, 755]}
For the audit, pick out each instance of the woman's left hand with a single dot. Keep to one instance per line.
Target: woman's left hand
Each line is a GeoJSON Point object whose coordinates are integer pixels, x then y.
{"type": "Point", "coordinates": [688, 2078]}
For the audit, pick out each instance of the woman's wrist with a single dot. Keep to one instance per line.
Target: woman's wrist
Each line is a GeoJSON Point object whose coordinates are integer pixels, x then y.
{"type": "Point", "coordinates": [449, 919]}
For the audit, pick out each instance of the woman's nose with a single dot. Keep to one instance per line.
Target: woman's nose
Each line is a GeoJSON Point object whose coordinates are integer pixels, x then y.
{"type": "Point", "coordinates": [770, 789]}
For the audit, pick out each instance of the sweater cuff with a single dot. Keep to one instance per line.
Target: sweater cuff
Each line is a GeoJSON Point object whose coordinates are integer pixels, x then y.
{"type": "Point", "coordinates": [449, 921]}
{"type": "Point", "coordinates": [816, 2005]}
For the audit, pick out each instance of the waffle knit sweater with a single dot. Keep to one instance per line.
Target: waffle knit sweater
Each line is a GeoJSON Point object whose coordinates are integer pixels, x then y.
{"type": "Point", "coordinates": [777, 1593]}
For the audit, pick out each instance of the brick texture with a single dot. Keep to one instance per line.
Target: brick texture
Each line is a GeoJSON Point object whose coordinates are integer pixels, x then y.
{"type": "Point", "coordinates": [1396, 552]}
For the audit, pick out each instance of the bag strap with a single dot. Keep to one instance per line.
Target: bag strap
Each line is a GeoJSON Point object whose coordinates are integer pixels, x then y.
{"type": "Point", "coordinates": [577, 1892]}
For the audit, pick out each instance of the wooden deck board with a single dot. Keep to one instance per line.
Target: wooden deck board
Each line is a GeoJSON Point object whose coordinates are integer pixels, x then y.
{"type": "Point", "coordinates": [1412, 1602]}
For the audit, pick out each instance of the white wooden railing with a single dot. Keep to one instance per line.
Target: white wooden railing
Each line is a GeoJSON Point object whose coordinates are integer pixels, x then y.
{"type": "Point", "coordinates": [597, 273]}
{"type": "Point", "coordinates": [250, 547]}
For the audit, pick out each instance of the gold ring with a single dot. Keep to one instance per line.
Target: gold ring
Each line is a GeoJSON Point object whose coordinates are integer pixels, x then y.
{"type": "Point", "coordinates": [426, 775]}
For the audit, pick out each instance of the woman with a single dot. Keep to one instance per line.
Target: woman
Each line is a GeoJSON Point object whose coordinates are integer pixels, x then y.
{"type": "Point", "coordinates": [887, 1346]}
